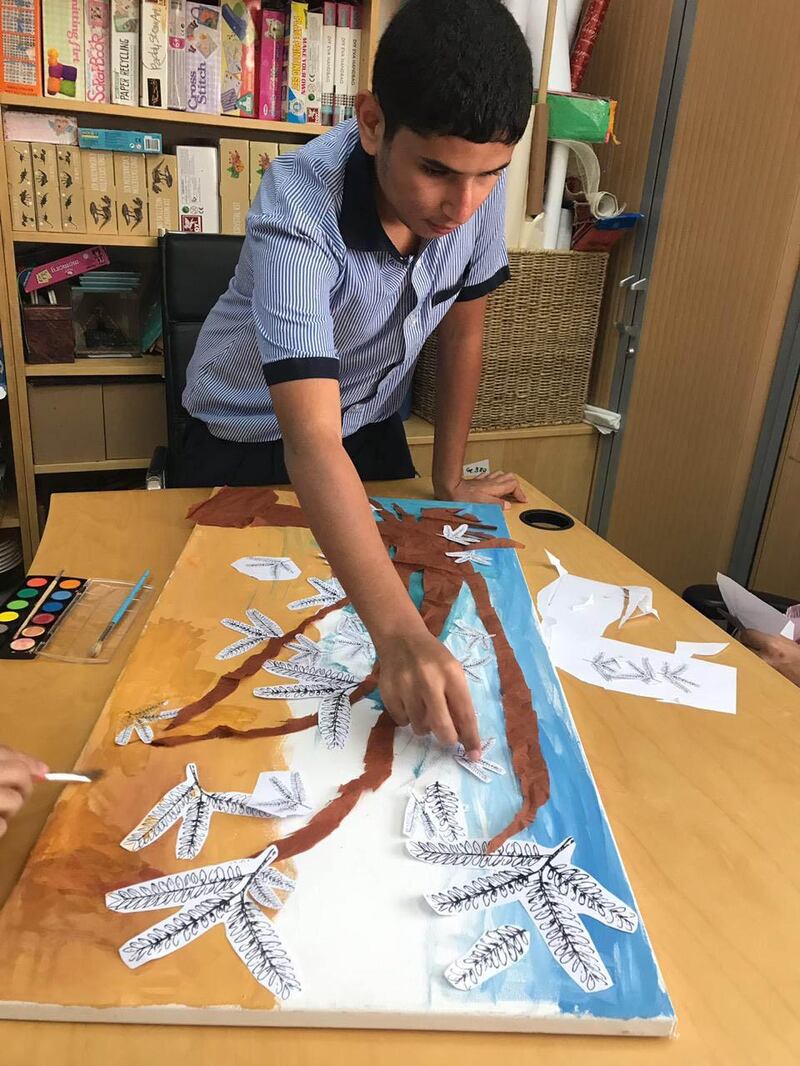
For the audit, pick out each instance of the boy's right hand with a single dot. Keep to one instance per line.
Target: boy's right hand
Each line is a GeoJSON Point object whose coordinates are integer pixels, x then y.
{"type": "Point", "coordinates": [17, 775]}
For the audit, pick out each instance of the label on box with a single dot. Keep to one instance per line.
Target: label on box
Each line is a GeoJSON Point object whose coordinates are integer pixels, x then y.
{"type": "Point", "coordinates": [62, 49]}
{"type": "Point", "coordinates": [35, 126]}
{"type": "Point", "coordinates": [47, 198]}
{"type": "Point", "coordinates": [98, 51]}
{"type": "Point", "coordinates": [98, 170]}
{"type": "Point", "coordinates": [162, 193]}
{"type": "Point", "coordinates": [203, 58]}
{"type": "Point", "coordinates": [154, 53]}
{"type": "Point", "coordinates": [125, 52]}
{"type": "Point", "coordinates": [20, 185]}
{"type": "Point", "coordinates": [176, 59]}
{"type": "Point", "coordinates": [480, 466]}
{"type": "Point", "coordinates": [234, 184]}
{"type": "Point", "coordinates": [120, 141]}
{"type": "Point", "coordinates": [198, 189]}
{"type": "Point", "coordinates": [261, 155]}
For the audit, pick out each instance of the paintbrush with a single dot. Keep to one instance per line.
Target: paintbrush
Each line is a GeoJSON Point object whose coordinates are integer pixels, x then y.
{"type": "Point", "coordinates": [118, 614]}
{"type": "Point", "coordinates": [85, 778]}
{"type": "Point", "coordinates": [42, 599]}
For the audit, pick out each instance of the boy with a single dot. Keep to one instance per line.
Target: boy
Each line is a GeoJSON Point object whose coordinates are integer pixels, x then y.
{"type": "Point", "coordinates": [357, 248]}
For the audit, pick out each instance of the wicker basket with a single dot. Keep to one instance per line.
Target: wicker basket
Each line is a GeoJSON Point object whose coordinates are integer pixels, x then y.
{"type": "Point", "coordinates": [538, 344]}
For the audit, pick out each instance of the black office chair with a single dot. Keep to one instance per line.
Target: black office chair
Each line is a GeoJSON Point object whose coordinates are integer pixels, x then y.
{"type": "Point", "coordinates": [707, 599]}
{"type": "Point", "coordinates": [195, 271]}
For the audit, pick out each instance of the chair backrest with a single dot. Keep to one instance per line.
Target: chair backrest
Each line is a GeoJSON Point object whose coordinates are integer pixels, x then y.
{"type": "Point", "coordinates": [195, 271]}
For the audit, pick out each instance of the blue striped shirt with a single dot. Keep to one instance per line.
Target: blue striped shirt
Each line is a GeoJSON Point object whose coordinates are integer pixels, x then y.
{"type": "Point", "coordinates": [320, 291]}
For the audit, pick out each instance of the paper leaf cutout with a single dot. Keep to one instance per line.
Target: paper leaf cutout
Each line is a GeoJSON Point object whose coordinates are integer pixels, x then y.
{"type": "Point", "coordinates": [553, 892]}
{"type": "Point", "coordinates": [459, 535]}
{"type": "Point", "coordinates": [255, 940]}
{"type": "Point", "coordinates": [469, 557]}
{"type": "Point", "coordinates": [445, 808]}
{"type": "Point", "coordinates": [259, 629]}
{"type": "Point", "coordinates": [314, 681]}
{"type": "Point", "coordinates": [493, 951]}
{"type": "Point", "coordinates": [264, 895]}
{"type": "Point", "coordinates": [267, 567]}
{"type": "Point", "coordinates": [472, 665]}
{"type": "Point", "coordinates": [273, 795]}
{"type": "Point", "coordinates": [334, 720]}
{"type": "Point", "coordinates": [139, 722]}
{"type": "Point", "coordinates": [193, 804]}
{"type": "Point", "coordinates": [471, 636]}
{"type": "Point", "coordinates": [214, 894]}
{"type": "Point", "coordinates": [483, 768]}
{"type": "Point", "coordinates": [308, 651]}
{"type": "Point", "coordinates": [352, 633]}
{"type": "Point", "coordinates": [329, 593]}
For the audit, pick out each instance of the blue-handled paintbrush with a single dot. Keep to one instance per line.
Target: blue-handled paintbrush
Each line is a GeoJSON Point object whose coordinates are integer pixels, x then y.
{"type": "Point", "coordinates": [118, 614]}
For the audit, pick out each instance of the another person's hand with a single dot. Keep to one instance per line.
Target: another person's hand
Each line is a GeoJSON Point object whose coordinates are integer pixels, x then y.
{"type": "Point", "coordinates": [17, 775]}
{"type": "Point", "coordinates": [423, 685]}
{"type": "Point", "coordinates": [499, 487]}
{"type": "Point", "coordinates": [779, 652]}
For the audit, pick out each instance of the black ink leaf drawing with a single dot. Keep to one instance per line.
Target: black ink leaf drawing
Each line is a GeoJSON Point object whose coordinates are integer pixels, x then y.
{"type": "Point", "coordinates": [553, 891]}
{"type": "Point", "coordinates": [328, 593]}
{"type": "Point", "coordinates": [437, 814]}
{"type": "Point", "coordinates": [330, 687]}
{"type": "Point", "coordinates": [472, 666]}
{"type": "Point", "coordinates": [139, 722]}
{"type": "Point", "coordinates": [259, 629]}
{"type": "Point", "coordinates": [267, 567]}
{"type": "Point", "coordinates": [610, 669]}
{"type": "Point", "coordinates": [483, 768]}
{"type": "Point", "coordinates": [493, 951]}
{"type": "Point", "coordinates": [471, 636]}
{"type": "Point", "coordinates": [208, 896]}
{"type": "Point", "coordinates": [307, 651]}
{"type": "Point", "coordinates": [352, 633]}
{"type": "Point", "coordinates": [193, 804]}
{"type": "Point", "coordinates": [281, 801]}
{"type": "Point", "coordinates": [459, 535]}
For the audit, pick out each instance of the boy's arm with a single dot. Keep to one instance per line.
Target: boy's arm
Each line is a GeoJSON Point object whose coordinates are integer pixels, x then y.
{"type": "Point", "coordinates": [458, 372]}
{"type": "Point", "coordinates": [420, 681]}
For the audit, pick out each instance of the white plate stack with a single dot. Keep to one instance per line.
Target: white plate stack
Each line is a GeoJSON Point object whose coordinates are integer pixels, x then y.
{"type": "Point", "coordinates": [10, 550]}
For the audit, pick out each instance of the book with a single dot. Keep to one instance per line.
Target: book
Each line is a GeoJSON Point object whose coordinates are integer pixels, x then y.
{"type": "Point", "coordinates": [125, 52]}
{"type": "Point", "coordinates": [341, 72]}
{"type": "Point", "coordinates": [20, 47]}
{"type": "Point", "coordinates": [203, 59]}
{"type": "Point", "coordinates": [239, 37]}
{"type": "Point", "coordinates": [296, 62]}
{"type": "Point", "coordinates": [328, 61]}
{"type": "Point", "coordinates": [153, 49]}
{"type": "Point", "coordinates": [314, 77]}
{"type": "Point", "coordinates": [97, 34]}
{"type": "Point", "coordinates": [176, 55]}
{"type": "Point", "coordinates": [198, 189]}
{"type": "Point", "coordinates": [62, 48]}
{"type": "Point", "coordinates": [270, 75]}
{"type": "Point", "coordinates": [355, 61]}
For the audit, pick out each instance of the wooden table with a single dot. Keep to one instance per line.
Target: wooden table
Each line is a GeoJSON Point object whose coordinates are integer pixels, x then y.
{"type": "Point", "coordinates": [705, 808]}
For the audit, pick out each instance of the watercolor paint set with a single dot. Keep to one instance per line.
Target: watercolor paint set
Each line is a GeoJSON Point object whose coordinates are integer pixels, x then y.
{"type": "Point", "coordinates": [31, 613]}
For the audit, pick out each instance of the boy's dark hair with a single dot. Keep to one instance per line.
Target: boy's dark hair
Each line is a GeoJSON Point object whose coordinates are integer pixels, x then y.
{"type": "Point", "coordinates": [458, 68]}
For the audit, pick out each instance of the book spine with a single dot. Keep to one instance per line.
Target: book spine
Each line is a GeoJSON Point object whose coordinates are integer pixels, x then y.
{"type": "Point", "coordinates": [154, 51]}
{"type": "Point", "coordinates": [63, 51]}
{"type": "Point", "coordinates": [21, 51]}
{"type": "Point", "coordinates": [203, 58]}
{"type": "Point", "coordinates": [273, 25]}
{"type": "Point", "coordinates": [176, 56]}
{"type": "Point", "coordinates": [342, 63]}
{"type": "Point", "coordinates": [97, 31]}
{"type": "Point", "coordinates": [328, 60]}
{"type": "Point", "coordinates": [314, 79]}
{"type": "Point", "coordinates": [125, 52]}
{"type": "Point", "coordinates": [294, 101]}
{"type": "Point", "coordinates": [355, 61]}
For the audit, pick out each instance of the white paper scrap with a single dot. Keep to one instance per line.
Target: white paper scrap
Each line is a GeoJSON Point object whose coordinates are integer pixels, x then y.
{"type": "Point", "coordinates": [753, 613]}
{"type": "Point", "coordinates": [282, 793]}
{"type": "Point", "coordinates": [267, 567]}
{"type": "Point", "coordinates": [686, 649]}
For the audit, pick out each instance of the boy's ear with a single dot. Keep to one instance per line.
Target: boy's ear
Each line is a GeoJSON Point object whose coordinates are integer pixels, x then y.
{"type": "Point", "coordinates": [371, 125]}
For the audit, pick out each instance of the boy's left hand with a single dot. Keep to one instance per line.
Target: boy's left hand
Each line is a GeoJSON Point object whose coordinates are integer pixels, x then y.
{"type": "Point", "coordinates": [487, 488]}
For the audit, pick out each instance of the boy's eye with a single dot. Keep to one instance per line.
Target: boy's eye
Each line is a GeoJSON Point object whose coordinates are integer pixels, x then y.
{"type": "Point", "coordinates": [434, 172]}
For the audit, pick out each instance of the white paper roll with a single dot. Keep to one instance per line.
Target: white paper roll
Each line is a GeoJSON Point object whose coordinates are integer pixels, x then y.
{"type": "Point", "coordinates": [564, 239]}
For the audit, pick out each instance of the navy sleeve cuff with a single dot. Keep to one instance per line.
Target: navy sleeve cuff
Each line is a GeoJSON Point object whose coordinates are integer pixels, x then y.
{"type": "Point", "coordinates": [483, 288]}
{"type": "Point", "coordinates": [298, 369]}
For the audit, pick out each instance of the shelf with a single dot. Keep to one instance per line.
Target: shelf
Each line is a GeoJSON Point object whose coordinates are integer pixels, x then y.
{"type": "Point", "coordinates": [9, 512]}
{"type": "Point", "coordinates": [91, 368]}
{"type": "Point", "coordinates": [159, 116]}
{"type": "Point", "coordinates": [97, 464]}
{"type": "Point", "coordinates": [418, 431]}
{"type": "Point", "coordinates": [108, 240]}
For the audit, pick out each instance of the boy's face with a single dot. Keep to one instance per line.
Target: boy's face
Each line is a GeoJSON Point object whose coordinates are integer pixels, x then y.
{"type": "Point", "coordinates": [434, 184]}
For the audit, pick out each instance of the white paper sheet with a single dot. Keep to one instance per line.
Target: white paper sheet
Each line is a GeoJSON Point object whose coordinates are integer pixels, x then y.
{"type": "Point", "coordinates": [267, 567]}
{"type": "Point", "coordinates": [752, 613]}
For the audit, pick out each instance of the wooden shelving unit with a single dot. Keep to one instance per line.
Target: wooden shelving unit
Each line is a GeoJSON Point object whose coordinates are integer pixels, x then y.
{"type": "Point", "coordinates": [9, 513]}
{"type": "Point", "coordinates": [145, 365]}
{"type": "Point", "coordinates": [95, 464]}
{"type": "Point", "coordinates": [111, 240]}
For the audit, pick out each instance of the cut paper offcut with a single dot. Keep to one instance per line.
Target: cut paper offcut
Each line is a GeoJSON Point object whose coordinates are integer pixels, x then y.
{"type": "Point", "coordinates": [753, 613]}
{"type": "Point", "coordinates": [281, 792]}
{"type": "Point", "coordinates": [638, 671]}
{"type": "Point", "coordinates": [586, 607]}
{"type": "Point", "coordinates": [267, 567]}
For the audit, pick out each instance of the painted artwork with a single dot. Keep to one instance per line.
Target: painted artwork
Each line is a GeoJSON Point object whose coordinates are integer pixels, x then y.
{"type": "Point", "coordinates": [277, 852]}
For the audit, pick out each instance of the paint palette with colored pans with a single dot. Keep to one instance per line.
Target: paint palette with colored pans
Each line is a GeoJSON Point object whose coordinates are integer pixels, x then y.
{"type": "Point", "coordinates": [21, 612]}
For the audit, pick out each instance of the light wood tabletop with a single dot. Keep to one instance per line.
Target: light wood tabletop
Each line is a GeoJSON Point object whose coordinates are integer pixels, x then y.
{"type": "Point", "coordinates": [705, 808]}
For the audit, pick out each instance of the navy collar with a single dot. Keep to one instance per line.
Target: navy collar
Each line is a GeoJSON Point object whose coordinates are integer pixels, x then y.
{"type": "Point", "coordinates": [359, 222]}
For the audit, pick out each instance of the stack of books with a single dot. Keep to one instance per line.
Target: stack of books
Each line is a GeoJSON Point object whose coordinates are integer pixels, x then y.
{"type": "Point", "coordinates": [294, 61]}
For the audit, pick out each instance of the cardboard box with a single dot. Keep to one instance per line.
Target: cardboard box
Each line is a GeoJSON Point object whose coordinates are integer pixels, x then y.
{"type": "Point", "coordinates": [153, 43]}
{"type": "Point", "coordinates": [101, 210]}
{"type": "Point", "coordinates": [135, 417]}
{"type": "Point", "coordinates": [20, 185]}
{"type": "Point", "coordinates": [20, 47]}
{"type": "Point", "coordinates": [296, 59]}
{"type": "Point", "coordinates": [238, 42]}
{"type": "Point", "coordinates": [46, 196]}
{"type": "Point", "coordinates": [234, 184]}
{"type": "Point", "coordinates": [66, 423]}
{"type": "Point", "coordinates": [314, 79]}
{"type": "Point", "coordinates": [98, 170]}
{"type": "Point", "coordinates": [70, 187]}
{"type": "Point", "coordinates": [162, 193]}
{"type": "Point", "coordinates": [124, 52]}
{"type": "Point", "coordinates": [261, 155]}
{"type": "Point", "coordinates": [198, 189]}
{"type": "Point", "coordinates": [62, 49]}
{"type": "Point", "coordinates": [203, 58]}
{"type": "Point", "coordinates": [120, 141]}
{"type": "Point", "coordinates": [130, 182]}
{"type": "Point", "coordinates": [270, 77]}
{"type": "Point", "coordinates": [288, 149]}
{"type": "Point", "coordinates": [176, 59]}
{"type": "Point", "coordinates": [97, 34]}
